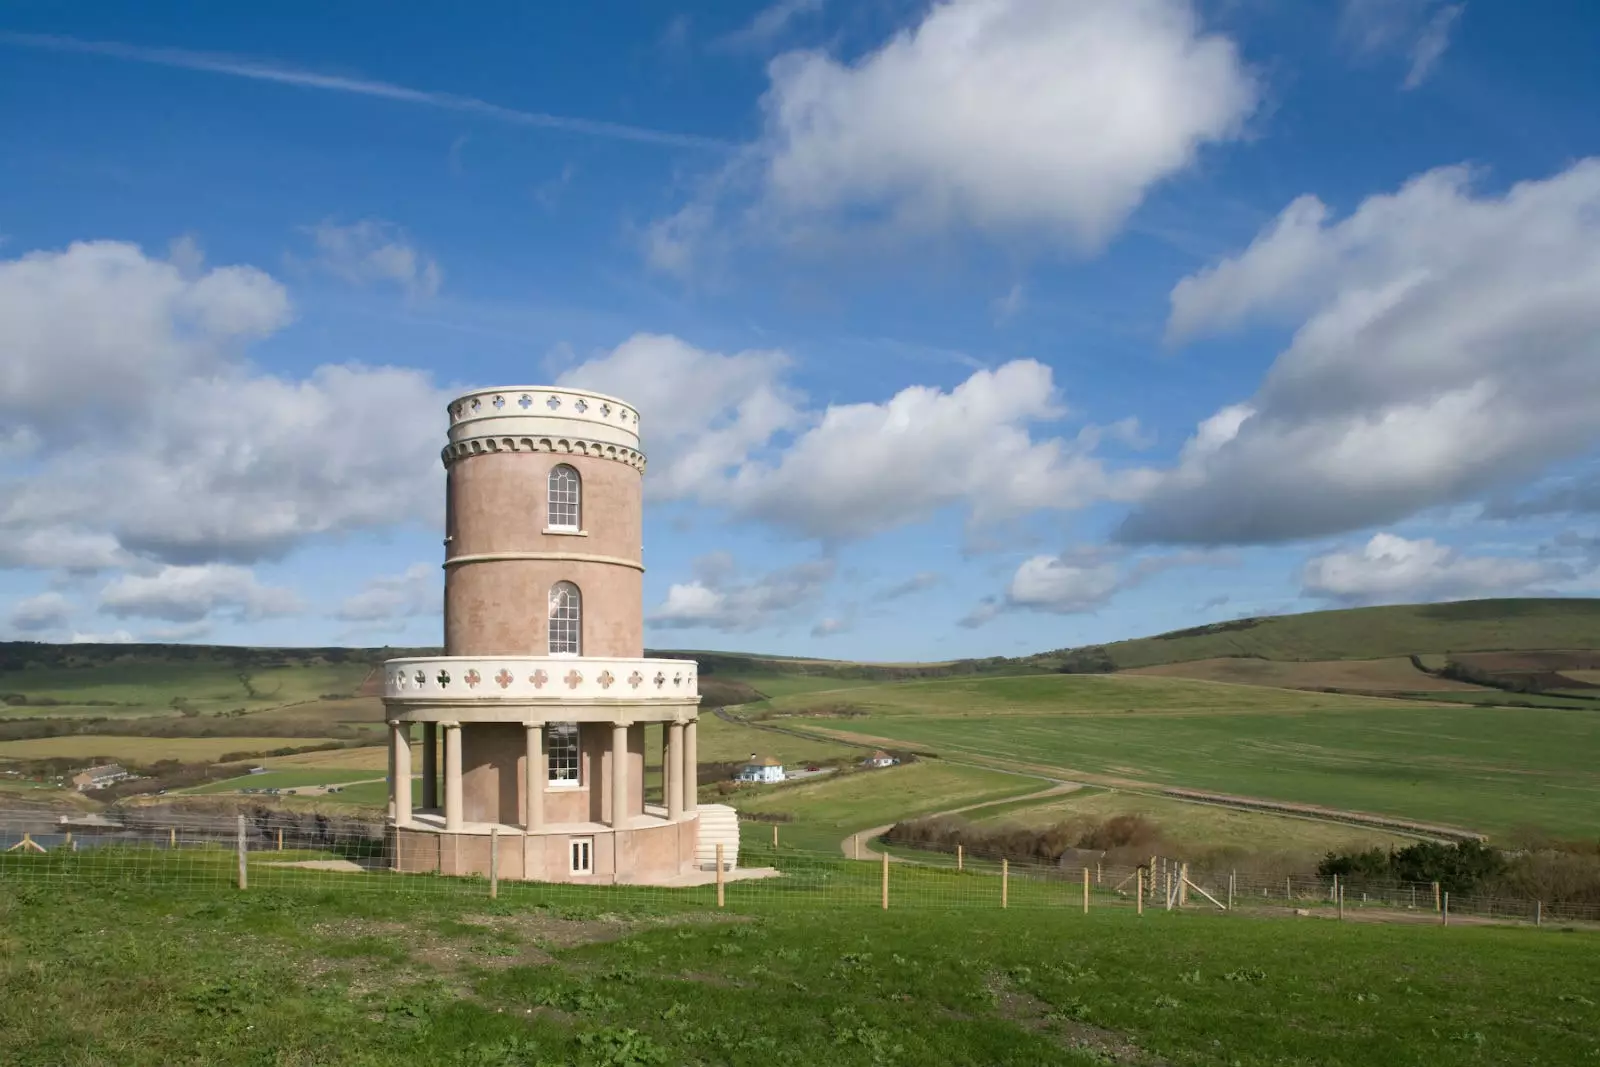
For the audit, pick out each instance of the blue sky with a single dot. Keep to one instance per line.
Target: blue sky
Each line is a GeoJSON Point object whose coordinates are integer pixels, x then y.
{"type": "Point", "coordinates": [962, 328]}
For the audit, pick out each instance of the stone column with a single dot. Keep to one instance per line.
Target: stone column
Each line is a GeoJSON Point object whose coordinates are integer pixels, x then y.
{"type": "Point", "coordinates": [390, 773]}
{"type": "Point", "coordinates": [672, 770]}
{"type": "Point", "coordinates": [452, 775]}
{"type": "Point", "coordinates": [400, 770]}
{"type": "Point", "coordinates": [430, 766]}
{"type": "Point", "coordinates": [535, 778]}
{"type": "Point", "coordinates": [691, 766]}
{"type": "Point", "coordinates": [619, 774]}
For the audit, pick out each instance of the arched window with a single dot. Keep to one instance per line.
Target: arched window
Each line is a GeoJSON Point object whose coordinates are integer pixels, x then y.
{"type": "Point", "coordinates": [566, 620]}
{"type": "Point", "coordinates": [566, 495]}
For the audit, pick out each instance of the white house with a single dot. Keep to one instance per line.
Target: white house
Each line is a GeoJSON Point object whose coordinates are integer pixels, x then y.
{"type": "Point", "coordinates": [99, 777]}
{"type": "Point", "coordinates": [879, 758]}
{"type": "Point", "coordinates": [760, 769]}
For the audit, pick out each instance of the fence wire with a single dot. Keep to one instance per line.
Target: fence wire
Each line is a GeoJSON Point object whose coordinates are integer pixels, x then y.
{"type": "Point", "coordinates": [187, 854]}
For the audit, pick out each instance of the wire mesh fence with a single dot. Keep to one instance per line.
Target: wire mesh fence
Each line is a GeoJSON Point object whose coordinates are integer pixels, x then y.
{"type": "Point", "coordinates": [188, 854]}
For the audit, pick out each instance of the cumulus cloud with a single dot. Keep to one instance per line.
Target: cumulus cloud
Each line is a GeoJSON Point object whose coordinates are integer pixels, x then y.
{"type": "Point", "coordinates": [831, 627]}
{"type": "Point", "coordinates": [189, 594]}
{"type": "Point", "coordinates": [1392, 569]}
{"type": "Point", "coordinates": [1012, 118]}
{"type": "Point", "coordinates": [727, 430]}
{"type": "Point", "coordinates": [391, 598]}
{"type": "Point", "coordinates": [192, 456]}
{"type": "Point", "coordinates": [92, 332]}
{"type": "Point", "coordinates": [375, 251]}
{"type": "Point", "coordinates": [1445, 345]}
{"type": "Point", "coordinates": [1076, 582]}
{"type": "Point", "coordinates": [47, 611]}
{"type": "Point", "coordinates": [719, 598]}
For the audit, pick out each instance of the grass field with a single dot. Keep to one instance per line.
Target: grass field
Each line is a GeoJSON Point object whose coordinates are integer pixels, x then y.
{"type": "Point", "coordinates": [365, 758]}
{"type": "Point", "coordinates": [826, 810]}
{"type": "Point", "coordinates": [1374, 633]}
{"type": "Point", "coordinates": [1202, 826]}
{"type": "Point", "coordinates": [1396, 674]}
{"type": "Point", "coordinates": [124, 973]}
{"type": "Point", "coordinates": [1065, 694]}
{"type": "Point", "coordinates": [145, 750]}
{"type": "Point", "coordinates": [137, 688]}
{"type": "Point", "coordinates": [1488, 769]}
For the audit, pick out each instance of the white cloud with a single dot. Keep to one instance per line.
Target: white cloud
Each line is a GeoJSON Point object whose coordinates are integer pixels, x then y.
{"type": "Point", "coordinates": [1445, 346]}
{"type": "Point", "coordinates": [376, 251]}
{"type": "Point", "coordinates": [703, 412]}
{"type": "Point", "coordinates": [865, 468]}
{"type": "Point", "coordinates": [190, 594]}
{"type": "Point", "coordinates": [1392, 569]}
{"type": "Point", "coordinates": [1019, 119]}
{"type": "Point", "coordinates": [767, 25]}
{"type": "Point", "coordinates": [1418, 29]}
{"type": "Point", "coordinates": [717, 599]}
{"type": "Point", "coordinates": [727, 431]}
{"type": "Point", "coordinates": [418, 591]}
{"type": "Point", "coordinates": [1078, 581]}
{"type": "Point", "coordinates": [47, 611]}
{"type": "Point", "coordinates": [115, 637]}
{"type": "Point", "coordinates": [92, 332]}
{"type": "Point", "coordinates": [164, 442]}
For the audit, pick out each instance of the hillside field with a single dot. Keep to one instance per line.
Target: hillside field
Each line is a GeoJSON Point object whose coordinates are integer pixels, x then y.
{"type": "Point", "coordinates": [1488, 769]}
{"type": "Point", "coordinates": [1395, 674]}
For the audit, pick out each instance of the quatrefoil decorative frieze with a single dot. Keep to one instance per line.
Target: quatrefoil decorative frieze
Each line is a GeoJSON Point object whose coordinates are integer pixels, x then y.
{"type": "Point", "coordinates": [538, 678]}
{"type": "Point", "coordinates": [605, 679]}
{"type": "Point", "coordinates": [635, 679]}
{"type": "Point", "coordinates": [504, 678]}
{"type": "Point", "coordinates": [472, 678]}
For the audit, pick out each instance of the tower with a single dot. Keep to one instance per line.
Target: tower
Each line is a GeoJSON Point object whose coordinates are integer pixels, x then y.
{"type": "Point", "coordinates": [537, 714]}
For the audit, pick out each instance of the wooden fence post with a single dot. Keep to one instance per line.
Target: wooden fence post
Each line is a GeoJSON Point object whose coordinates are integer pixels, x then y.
{"type": "Point", "coordinates": [1183, 886]}
{"type": "Point", "coordinates": [1340, 891]}
{"type": "Point", "coordinates": [721, 900]}
{"type": "Point", "coordinates": [1436, 896]}
{"type": "Point", "coordinates": [1538, 913]}
{"type": "Point", "coordinates": [280, 839]}
{"type": "Point", "coordinates": [1005, 882]}
{"type": "Point", "coordinates": [884, 893]}
{"type": "Point", "coordinates": [494, 862]}
{"type": "Point", "coordinates": [1233, 878]}
{"type": "Point", "coordinates": [1086, 890]}
{"type": "Point", "coordinates": [1139, 896]}
{"type": "Point", "coordinates": [959, 858]}
{"type": "Point", "coordinates": [1288, 890]}
{"type": "Point", "coordinates": [172, 837]}
{"type": "Point", "coordinates": [1444, 911]}
{"type": "Point", "coordinates": [244, 869]}
{"type": "Point", "coordinates": [774, 835]}
{"type": "Point", "coordinates": [1099, 875]}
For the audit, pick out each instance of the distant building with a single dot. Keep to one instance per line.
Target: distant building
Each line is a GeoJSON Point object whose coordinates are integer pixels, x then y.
{"type": "Point", "coordinates": [99, 777]}
{"type": "Point", "coordinates": [258, 770]}
{"type": "Point", "coordinates": [880, 758]}
{"type": "Point", "coordinates": [760, 769]}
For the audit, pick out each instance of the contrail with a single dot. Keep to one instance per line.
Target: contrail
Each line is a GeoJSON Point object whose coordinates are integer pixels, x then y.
{"type": "Point", "coordinates": [259, 70]}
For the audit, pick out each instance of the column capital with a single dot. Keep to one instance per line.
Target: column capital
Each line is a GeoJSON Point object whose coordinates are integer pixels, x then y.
{"type": "Point", "coordinates": [398, 722]}
{"type": "Point", "coordinates": [450, 724]}
{"type": "Point", "coordinates": [529, 724]}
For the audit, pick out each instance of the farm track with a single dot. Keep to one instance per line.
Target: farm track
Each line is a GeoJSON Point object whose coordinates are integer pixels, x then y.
{"type": "Point", "coordinates": [852, 846]}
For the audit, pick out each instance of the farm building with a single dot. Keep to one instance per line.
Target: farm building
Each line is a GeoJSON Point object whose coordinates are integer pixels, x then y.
{"type": "Point", "coordinates": [880, 758]}
{"type": "Point", "coordinates": [534, 726]}
{"type": "Point", "coordinates": [760, 769]}
{"type": "Point", "coordinates": [99, 777]}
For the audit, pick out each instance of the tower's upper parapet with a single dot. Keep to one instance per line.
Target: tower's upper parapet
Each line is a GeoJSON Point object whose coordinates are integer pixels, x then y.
{"type": "Point", "coordinates": [513, 418]}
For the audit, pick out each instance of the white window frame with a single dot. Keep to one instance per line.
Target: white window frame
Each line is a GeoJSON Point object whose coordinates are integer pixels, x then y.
{"type": "Point", "coordinates": [575, 620]}
{"type": "Point", "coordinates": [580, 855]}
{"type": "Point", "coordinates": [570, 758]}
{"type": "Point", "coordinates": [568, 495]}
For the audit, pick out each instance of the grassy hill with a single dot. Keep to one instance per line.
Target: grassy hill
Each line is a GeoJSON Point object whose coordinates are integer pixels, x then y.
{"type": "Point", "coordinates": [1357, 633]}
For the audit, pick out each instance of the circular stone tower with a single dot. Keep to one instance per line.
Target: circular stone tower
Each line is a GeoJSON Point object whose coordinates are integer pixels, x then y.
{"type": "Point", "coordinates": [536, 716]}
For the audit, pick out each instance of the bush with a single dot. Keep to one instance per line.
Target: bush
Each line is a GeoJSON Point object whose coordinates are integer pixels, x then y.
{"type": "Point", "coordinates": [1463, 867]}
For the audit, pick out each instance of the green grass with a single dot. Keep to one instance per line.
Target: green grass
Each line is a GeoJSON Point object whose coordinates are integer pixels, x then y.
{"type": "Point", "coordinates": [1482, 768]}
{"type": "Point", "coordinates": [96, 972]}
{"type": "Point", "coordinates": [1075, 693]}
{"type": "Point", "coordinates": [827, 810]}
{"type": "Point", "coordinates": [145, 750]}
{"type": "Point", "coordinates": [142, 688]}
{"type": "Point", "coordinates": [1373, 633]}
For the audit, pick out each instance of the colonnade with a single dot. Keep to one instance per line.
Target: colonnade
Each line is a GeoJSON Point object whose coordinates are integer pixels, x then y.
{"type": "Point", "coordinates": [680, 761]}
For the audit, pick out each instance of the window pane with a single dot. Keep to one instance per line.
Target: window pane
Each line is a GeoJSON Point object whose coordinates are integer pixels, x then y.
{"type": "Point", "coordinates": [561, 743]}
{"type": "Point", "coordinates": [566, 620]}
{"type": "Point", "coordinates": [564, 496]}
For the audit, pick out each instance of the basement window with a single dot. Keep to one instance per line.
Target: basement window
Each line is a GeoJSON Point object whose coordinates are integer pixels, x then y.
{"type": "Point", "coordinates": [582, 849]}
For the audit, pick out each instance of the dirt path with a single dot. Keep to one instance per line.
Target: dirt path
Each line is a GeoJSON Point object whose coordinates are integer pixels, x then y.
{"type": "Point", "coordinates": [855, 846]}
